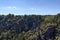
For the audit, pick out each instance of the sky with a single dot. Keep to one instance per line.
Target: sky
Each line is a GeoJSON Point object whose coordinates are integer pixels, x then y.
{"type": "Point", "coordinates": [28, 7]}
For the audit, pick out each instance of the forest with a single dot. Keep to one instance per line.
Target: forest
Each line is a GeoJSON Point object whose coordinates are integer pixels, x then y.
{"type": "Point", "coordinates": [30, 27]}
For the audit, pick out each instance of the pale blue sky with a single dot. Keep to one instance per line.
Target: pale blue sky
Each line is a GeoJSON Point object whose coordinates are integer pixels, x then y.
{"type": "Point", "coordinates": [21, 7]}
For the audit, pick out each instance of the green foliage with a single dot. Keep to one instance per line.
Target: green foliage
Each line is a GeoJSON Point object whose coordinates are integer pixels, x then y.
{"type": "Point", "coordinates": [29, 27]}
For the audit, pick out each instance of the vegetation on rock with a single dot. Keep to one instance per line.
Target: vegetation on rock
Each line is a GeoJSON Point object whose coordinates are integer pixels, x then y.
{"type": "Point", "coordinates": [29, 27]}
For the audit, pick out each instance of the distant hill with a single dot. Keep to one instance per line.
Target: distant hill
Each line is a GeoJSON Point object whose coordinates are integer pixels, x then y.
{"type": "Point", "coordinates": [30, 27]}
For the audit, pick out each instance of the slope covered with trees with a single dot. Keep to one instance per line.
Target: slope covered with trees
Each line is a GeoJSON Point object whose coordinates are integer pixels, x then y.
{"type": "Point", "coordinates": [29, 27]}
